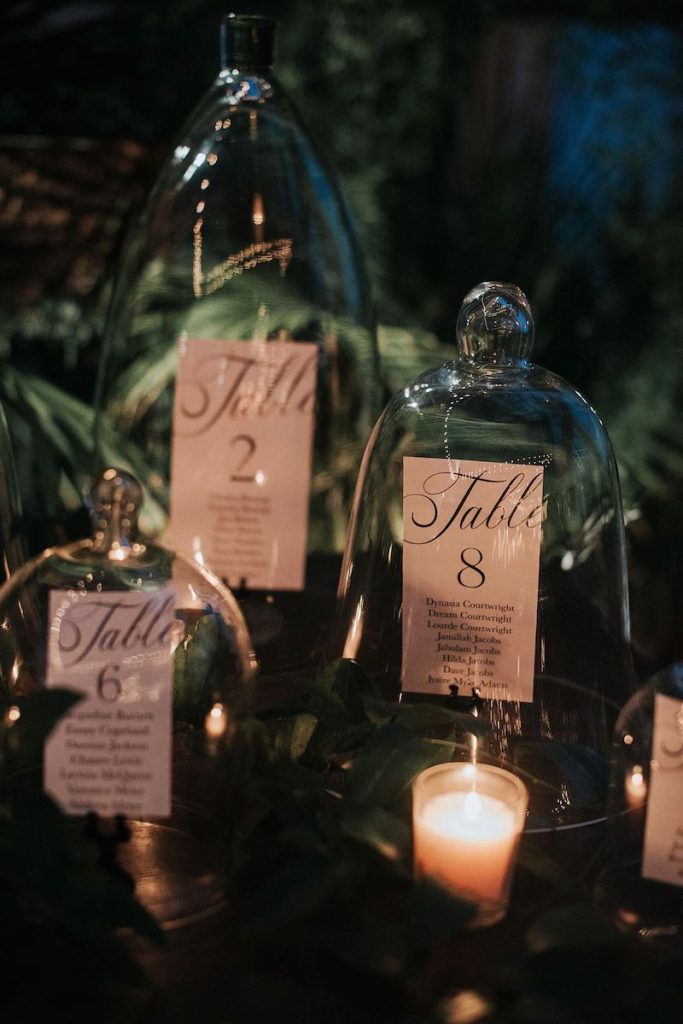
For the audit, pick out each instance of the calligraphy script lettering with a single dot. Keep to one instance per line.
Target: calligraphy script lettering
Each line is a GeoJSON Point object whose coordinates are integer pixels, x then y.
{"type": "Point", "coordinates": [110, 625]}
{"type": "Point", "coordinates": [482, 501]}
{"type": "Point", "coordinates": [671, 755]}
{"type": "Point", "coordinates": [242, 387]}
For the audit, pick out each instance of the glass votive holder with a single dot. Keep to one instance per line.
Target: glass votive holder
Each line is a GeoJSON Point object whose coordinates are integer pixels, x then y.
{"type": "Point", "coordinates": [467, 821]}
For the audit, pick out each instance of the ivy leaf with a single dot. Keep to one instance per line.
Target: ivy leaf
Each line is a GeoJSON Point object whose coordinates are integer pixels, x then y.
{"type": "Point", "coordinates": [343, 684]}
{"type": "Point", "coordinates": [433, 915]}
{"type": "Point", "coordinates": [386, 765]}
{"type": "Point", "coordinates": [539, 864]}
{"type": "Point", "coordinates": [421, 717]}
{"type": "Point", "coordinates": [364, 941]}
{"type": "Point", "coordinates": [97, 899]}
{"type": "Point", "coordinates": [35, 841]}
{"type": "Point", "coordinates": [372, 826]}
{"type": "Point", "coordinates": [292, 692]}
{"type": "Point", "coordinates": [39, 714]}
{"type": "Point", "coordinates": [571, 927]}
{"type": "Point", "coordinates": [291, 807]}
{"type": "Point", "coordinates": [290, 893]}
{"type": "Point", "coordinates": [347, 681]}
{"type": "Point", "coordinates": [197, 665]}
{"type": "Point", "coordinates": [294, 734]}
{"type": "Point", "coordinates": [576, 963]}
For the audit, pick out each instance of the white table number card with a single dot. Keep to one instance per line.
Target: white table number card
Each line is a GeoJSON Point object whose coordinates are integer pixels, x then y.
{"type": "Point", "coordinates": [471, 548]}
{"type": "Point", "coordinates": [112, 752]}
{"type": "Point", "coordinates": [241, 465]}
{"type": "Point", "coordinates": [663, 848]}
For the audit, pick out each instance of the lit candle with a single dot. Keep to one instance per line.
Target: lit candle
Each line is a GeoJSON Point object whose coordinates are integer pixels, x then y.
{"type": "Point", "coordinates": [636, 787]}
{"type": "Point", "coordinates": [467, 820]}
{"type": "Point", "coordinates": [216, 722]}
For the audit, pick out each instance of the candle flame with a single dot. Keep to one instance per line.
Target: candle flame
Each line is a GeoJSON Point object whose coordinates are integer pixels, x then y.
{"type": "Point", "coordinates": [636, 786]}
{"type": "Point", "coordinates": [216, 721]}
{"type": "Point", "coordinates": [472, 806]}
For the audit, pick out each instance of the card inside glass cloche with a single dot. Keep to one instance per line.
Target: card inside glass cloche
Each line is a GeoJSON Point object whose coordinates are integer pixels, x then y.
{"type": "Point", "coordinates": [643, 883]}
{"type": "Point", "coordinates": [485, 561]}
{"type": "Point", "coordinates": [159, 654]}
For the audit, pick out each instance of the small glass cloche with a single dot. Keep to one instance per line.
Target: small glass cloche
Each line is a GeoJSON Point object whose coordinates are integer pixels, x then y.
{"type": "Point", "coordinates": [643, 883]}
{"type": "Point", "coordinates": [485, 563]}
{"type": "Point", "coordinates": [160, 654]}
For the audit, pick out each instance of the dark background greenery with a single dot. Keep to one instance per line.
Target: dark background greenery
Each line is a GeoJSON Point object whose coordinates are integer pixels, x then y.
{"type": "Point", "coordinates": [539, 143]}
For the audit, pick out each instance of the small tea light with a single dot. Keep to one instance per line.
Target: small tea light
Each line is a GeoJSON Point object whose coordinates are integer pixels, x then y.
{"type": "Point", "coordinates": [636, 787]}
{"type": "Point", "coordinates": [216, 722]}
{"type": "Point", "coordinates": [467, 820]}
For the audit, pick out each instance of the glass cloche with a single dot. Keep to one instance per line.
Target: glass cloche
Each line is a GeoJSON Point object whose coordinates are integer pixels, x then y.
{"type": "Point", "coordinates": [160, 654]}
{"type": "Point", "coordinates": [485, 563]}
{"type": "Point", "coordinates": [240, 353]}
{"type": "Point", "coordinates": [643, 882]}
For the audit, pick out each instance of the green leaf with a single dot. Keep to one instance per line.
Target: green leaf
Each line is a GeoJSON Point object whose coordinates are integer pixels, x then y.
{"type": "Point", "coordinates": [198, 667]}
{"type": "Point", "coordinates": [347, 681]}
{"type": "Point", "coordinates": [336, 699]}
{"type": "Point", "coordinates": [38, 716]}
{"type": "Point", "coordinates": [292, 807]}
{"type": "Point", "coordinates": [571, 927]}
{"type": "Point", "coordinates": [289, 894]}
{"type": "Point", "coordinates": [433, 915]}
{"type": "Point", "coordinates": [538, 863]}
{"type": "Point", "coordinates": [293, 735]}
{"type": "Point", "coordinates": [385, 767]}
{"type": "Point", "coordinates": [423, 716]}
{"type": "Point", "coordinates": [387, 833]}
{"type": "Point", "coordinates": [364, 941]}
{"type": "Point", "coordinates": [97, 899]}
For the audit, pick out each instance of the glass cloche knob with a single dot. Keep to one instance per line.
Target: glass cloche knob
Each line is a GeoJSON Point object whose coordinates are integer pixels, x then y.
{"type": "Point", "coordinates": [159, 654]}
{"type": "Point", "coordinates": [495, 323]}
{"type": "Point", "coordinates": [247, 40]}
{"type": "Point", "coordinates": [115, 500]}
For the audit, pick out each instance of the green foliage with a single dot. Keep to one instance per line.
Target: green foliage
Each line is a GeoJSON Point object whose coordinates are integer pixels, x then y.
{"type": "Point", "coordinates": [330, 826]}
{"type": "Point", "coordinates": [323, 874]}
{"type": "Point", "coordinates": [62, 913]}
{"type": "Point", "coordinates": [53, 436]}
{"type": "Point", "coordinates": [200, 664]}
{"type": "Point", "coordinates": [322, 880]}
{"type": "Point", "coordinates": [391, 91]}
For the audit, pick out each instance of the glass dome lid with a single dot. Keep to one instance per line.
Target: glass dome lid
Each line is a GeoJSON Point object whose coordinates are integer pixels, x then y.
{"type": "Point", "coordinates": [642, 884]}
{"type": "Point", "coordinates": [160, 656]}
{"type": "Point", "coordinates": [485, 564]}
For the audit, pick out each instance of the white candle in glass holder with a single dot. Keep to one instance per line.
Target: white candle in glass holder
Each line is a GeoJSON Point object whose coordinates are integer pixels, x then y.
{"type": "Point", "coordinates": [466, 841]}
{"type": "Point", "coordinates": [467, 820]}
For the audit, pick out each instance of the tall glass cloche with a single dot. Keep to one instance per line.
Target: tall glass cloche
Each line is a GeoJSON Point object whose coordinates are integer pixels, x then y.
{"type": "Point", "coordinates": [485, 563]}
{"type": "Point", "coordinates": [240, 353]}
{"type": "Point", "coordinates": [158, 655]}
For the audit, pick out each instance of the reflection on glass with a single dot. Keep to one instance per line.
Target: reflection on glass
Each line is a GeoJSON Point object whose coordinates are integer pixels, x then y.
{"type": "Point", "coordinates": [246, 239]}
{"type": "Point", "coordinates": [642, 885]}
{"type": "Point", "coordinates": [485, 563]}
{"type": "Point", "coordinates": [154, 645]}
